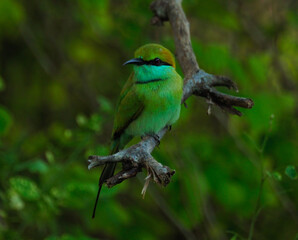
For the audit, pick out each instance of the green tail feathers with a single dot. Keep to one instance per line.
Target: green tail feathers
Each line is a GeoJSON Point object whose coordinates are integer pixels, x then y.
{"type": "Point", "coordinates": [107, 172]}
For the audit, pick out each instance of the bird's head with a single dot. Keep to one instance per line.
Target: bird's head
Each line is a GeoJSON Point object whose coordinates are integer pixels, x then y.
{"type": "Point", "coordinates": [152, 62]}
{"type": "Point", "coordinates": [154, 55]}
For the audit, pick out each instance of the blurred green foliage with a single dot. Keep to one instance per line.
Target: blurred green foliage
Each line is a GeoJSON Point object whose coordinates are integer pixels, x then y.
{"type": "Point", "coordinates": [60, 75]}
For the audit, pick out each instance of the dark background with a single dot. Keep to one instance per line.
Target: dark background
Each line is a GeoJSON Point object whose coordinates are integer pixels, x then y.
{"type": "Point", "coordinates": [60, 75]}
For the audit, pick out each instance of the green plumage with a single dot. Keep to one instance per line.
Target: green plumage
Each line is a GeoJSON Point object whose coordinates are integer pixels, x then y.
{"type": "Point", "coordinates": [149, 101]}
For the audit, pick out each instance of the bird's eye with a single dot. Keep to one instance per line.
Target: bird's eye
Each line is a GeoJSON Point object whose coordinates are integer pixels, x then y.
{"type": "Point", "coordinates": [157, 61]}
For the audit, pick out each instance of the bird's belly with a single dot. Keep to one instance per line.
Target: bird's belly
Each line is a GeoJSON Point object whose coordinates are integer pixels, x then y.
{"type": "Point", "coordinates": [156, 115]}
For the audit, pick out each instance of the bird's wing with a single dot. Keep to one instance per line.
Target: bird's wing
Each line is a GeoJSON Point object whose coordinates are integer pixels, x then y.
{"type": "Point", "coordinates": [129, 108]}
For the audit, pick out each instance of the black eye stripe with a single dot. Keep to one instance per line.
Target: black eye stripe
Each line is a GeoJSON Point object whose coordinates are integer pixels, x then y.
{"type": "Point", "coordinates": [157, 62]}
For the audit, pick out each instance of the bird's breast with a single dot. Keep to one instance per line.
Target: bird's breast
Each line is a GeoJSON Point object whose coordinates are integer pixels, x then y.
{"type": "Point", "coordinates": [162, 102]}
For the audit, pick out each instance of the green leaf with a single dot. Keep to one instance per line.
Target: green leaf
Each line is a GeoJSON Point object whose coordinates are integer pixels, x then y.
{"type": "Point", "coordinates": [291, 172]}
{"type": "Point", "coordinates": [81, 120]}
{"type": "Point", "coordinates": [50, 156]}
{"type": "Point", "coordinates": [67, 133]}
{"type": "Point", "coordinates": [74, 191]}
{"type": "Point", "coordinates": [94, 122]}
{"type": "Point", "coordinates": [234, 237]}
{"type": "Point", "coordinates": [11, 14]}
{"type": "Point", "coordinates": [105, 104]}
{"type": "Point", "coordinates": [259, 67]}
{"type": "Point", "coordinates": [25, 187]}
{"type": "Point", "coordinates": [38, 166]}
{"type": "Point", "coordinates": [5, 121]}
{"type": "Point", "coordinates": [277, 176]}
{"type": "Point", "coordinates": [15, 201]}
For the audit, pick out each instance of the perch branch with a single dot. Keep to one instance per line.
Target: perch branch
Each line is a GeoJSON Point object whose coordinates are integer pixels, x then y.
{"type": "Point", "coordinates": [196, 82]}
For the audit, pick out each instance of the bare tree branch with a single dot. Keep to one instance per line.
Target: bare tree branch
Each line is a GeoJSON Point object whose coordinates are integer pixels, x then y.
{"type": "Point", "coordinates": [197, 82]}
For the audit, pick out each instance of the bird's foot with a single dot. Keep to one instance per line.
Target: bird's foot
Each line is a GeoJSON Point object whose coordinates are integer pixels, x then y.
{"type": "Point", "coordinates": [169, 127]}
{"type": "Point", "coordinates": [154, 135]}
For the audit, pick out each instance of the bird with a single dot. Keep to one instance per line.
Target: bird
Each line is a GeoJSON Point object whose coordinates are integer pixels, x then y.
{"type": "Point", "coordinates": [149, 101]}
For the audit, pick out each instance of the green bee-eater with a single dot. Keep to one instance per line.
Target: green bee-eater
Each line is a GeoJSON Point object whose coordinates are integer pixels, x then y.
{"type": "Point", "coordinates": [149, 101]}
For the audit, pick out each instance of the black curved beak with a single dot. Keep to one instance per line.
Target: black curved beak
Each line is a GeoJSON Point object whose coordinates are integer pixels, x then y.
{"type": "Point", "coordinates": [136, 61]}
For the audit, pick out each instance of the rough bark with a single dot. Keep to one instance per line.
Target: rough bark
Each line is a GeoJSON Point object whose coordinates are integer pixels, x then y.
{"type": "Point", "coordinates": [196, 82]}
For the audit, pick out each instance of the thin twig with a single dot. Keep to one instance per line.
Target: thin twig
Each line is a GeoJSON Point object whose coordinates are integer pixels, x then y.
{"type": "Point", "coordinates": [262, 181]}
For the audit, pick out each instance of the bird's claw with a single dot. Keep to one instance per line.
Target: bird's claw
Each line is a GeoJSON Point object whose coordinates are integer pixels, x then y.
{"type": "Point", "coordinates": [155, 136]}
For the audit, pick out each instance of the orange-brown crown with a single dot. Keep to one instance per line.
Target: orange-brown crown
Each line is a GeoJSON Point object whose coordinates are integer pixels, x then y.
{"type": "Point", "coordinates": [152, 50]}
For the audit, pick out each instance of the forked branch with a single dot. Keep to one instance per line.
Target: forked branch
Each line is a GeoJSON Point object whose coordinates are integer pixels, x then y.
{"type": "Point", "coordinates": [197, 82]}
